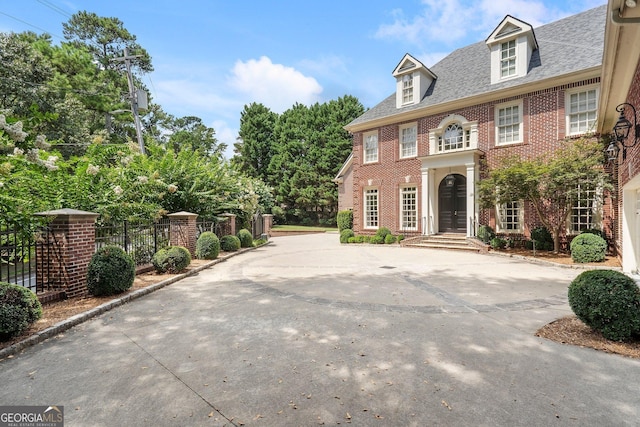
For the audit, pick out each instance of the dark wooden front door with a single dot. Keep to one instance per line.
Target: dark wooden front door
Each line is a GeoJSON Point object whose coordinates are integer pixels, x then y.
{"type": "Point", "coordinates": [452, 205]}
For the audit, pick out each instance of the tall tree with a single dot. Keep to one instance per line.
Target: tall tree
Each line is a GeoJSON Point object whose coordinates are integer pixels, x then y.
{"type": "Point", "coordinates": [255, 146]}
{"type": "Point", "coordinates": [552, 184]}
{"type": "Point", "coordinates": [106, 39]}
{"type": "Point", "coordinates": [189, 133]}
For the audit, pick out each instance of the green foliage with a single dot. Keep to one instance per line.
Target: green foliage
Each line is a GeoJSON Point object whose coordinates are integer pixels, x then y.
{"type": "Point", "coordinates": [255, 147]}
{"type": "Point", "coordinates": [207, 246]}
{"type": "Point", "coordinates": [229, 243]}
{"type": "Point", "coordinates": [498, 243]}
{"type": "Point", "coordinates": [377, 239]}
{"type": "Point", "coordinates": [588, 247]}
{"type": "Point", "coordinates": [595, 231]}
{"type": "Point", "coordinates": [400, 238]}
{"type": "Point", "coordinates": [172, 259]}
{"type": "Point", "coordinates": [486, 233]}
{"type": "Point", "coordinates": [19, 308]}
{"type": "Point", "coordinates": [541, 238]}
{"type": "Point", "coordinates": [607, 301]}
{"type": "Point", "coordinates": [383, 232]}
{"type": "Point", "coordinates": [345, 235]}
{"type": "Point", "coordinates": [111, 271]}
{"type": "Point", "coordinates": [552, 183]}
{"type": "Point", "coordinates": [345, 220]}
{"type": "Point", "coordinates": [390, 239]}
{"type": "Point", "coordinates": [246, 239]}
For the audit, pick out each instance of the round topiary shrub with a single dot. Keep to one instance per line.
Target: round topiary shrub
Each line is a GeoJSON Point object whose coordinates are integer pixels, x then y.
{"type": "Point", "coordinates": [390, 239]}
{"type": "Point", "coordinates": [376, 240]}
{"type": "Point", "coordinates": [229, 243]}
{"type": "Point", "coordinates": [207, 246]}
{"type": "Point", "coordinates": [607, 301]}
{"type": "Point", "coordinates": [111, 271]}
{"type": "Point", "coordinates": [345, 235]}
{"type": "Point", "coordinates": [498, 243]}
{"type": "Point", "coordinates": [172, 259]}
{"type": "Point", "coordinates": [19, 308]}
{"type": "Point", "coordinates": [588, 247]}
{"type": "Point", "coordinates": [486, 233]}
{"type": "Point", "coordinates": [246, 239]}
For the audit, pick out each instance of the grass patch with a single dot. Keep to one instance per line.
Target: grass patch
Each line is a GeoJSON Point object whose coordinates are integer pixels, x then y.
{"type": "Point", "coordinates": [302, 228]}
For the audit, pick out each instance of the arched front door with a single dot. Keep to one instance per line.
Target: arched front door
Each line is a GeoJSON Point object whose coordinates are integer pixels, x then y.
{"type": "Point", "coordinates": [452, 204]}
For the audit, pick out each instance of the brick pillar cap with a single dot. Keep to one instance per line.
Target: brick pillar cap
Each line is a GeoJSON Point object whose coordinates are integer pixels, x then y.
{"type": "Point", "coordinates": [181, 214]}
{"type": "Point", "coordinates": [267, 214]}
{"type": "Point", "coordinates": [228, 214]}
{"type": "Point", "coordinates": [68, 212]}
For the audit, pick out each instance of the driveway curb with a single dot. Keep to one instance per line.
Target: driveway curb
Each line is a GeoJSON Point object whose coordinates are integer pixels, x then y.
{"type": "Point", "coordinates": [66, 324]}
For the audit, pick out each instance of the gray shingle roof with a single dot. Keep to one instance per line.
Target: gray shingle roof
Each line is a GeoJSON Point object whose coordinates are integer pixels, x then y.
{"type": "Point", "coordinates": [566, 46]}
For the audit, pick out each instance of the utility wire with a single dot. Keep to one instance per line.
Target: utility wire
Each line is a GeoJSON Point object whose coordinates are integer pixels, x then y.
{"type": "Point", "coordinates": [33, 26]}
{"type": "Point", "coordinates": [55, 8]}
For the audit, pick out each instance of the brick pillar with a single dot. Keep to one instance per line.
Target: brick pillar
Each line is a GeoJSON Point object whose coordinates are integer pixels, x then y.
{"type": "Point", "coordinates": [267, 221]}
{"type": "Point", "coordinates": [231, 223]}
{"type": "Point", "coordinates": [183, 230]}
{"type": "Point", "coordinates": [71, 244]}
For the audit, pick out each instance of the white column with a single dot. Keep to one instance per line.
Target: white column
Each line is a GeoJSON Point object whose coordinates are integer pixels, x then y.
{"type": "Point", "coordinates": [426, 203]}
{"type": "Point", "coordinates": [471, 199]}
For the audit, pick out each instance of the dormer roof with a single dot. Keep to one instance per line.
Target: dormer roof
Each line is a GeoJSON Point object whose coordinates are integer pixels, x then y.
{"type": "Point", "coordinates": [509, 28]}
{"type": "Point", "coordinates": [411, 64]}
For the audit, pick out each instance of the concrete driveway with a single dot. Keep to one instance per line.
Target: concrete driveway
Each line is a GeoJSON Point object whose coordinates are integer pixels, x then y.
{"type": "Point", "coordinates": [309, 332]}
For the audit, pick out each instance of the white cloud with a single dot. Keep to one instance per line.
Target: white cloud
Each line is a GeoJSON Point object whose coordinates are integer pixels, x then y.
{"type": "Point", "coordinates": [225, 134]}
{"type": "Point", "coordinates": [276, 86]}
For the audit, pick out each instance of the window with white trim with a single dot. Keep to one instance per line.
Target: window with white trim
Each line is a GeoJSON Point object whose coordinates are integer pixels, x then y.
{"type": "Point", "coordinates": [409, 208]}
{"type": "Point", "coordinates": [584, 213]}
{"type": "Point", "coordinates": [408, 141]}
{"type": "Point", "coordinates": [453, 138]}
{"type": "Point", "coordinates": [407, 88]}
{"type": "Point", "coordinates": [508, 124]}
{"type": "Point", "coordinates": [510, 217]}
{"type": "Point", "coordinates": [371, 147]}
{"type": "Point", "coordinates": [371, 208]}
{"type": "Point", "coordinates": [508, 59]}
{"type": "Point", "coordinates": [582, 111]}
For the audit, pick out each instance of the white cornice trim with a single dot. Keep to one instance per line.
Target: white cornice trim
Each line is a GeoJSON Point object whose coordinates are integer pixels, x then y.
{"type": "Point", "coordinates": [458, 104]}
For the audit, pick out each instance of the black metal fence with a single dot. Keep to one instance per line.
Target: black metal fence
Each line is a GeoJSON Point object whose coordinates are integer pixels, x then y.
{"type": "Point", "coordinates": [140, 240]}
{"type": "Point", "coordinates": [24, 255]}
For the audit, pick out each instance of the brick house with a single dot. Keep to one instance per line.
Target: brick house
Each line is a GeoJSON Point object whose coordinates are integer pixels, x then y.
{"type": "Point", "coordinates": [620, 82]}
{"type": "Point", "coordinates": [419, 153]}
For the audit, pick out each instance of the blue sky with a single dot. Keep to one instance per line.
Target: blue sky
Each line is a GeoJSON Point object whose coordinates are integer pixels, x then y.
{"type": "Point", "coordinates": [213, 57]}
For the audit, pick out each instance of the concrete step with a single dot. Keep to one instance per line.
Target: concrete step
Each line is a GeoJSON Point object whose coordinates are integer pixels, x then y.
{"type": "Point", "coordinates": [452, 241]}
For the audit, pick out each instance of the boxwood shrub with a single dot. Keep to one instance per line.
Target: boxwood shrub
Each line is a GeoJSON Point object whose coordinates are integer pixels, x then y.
{"type": "Point", "coordinates": [19, 308]}
{"type": "Point", "coordinates": [345, 220]}
{"type": "Point", "coordinates": [172, 259]}
{"type": "Point", "coordinates": [607, 301]}
{"type": "Point", "coordinates": [390, 239]}
{"type": "Point", "coordinates": [229, 243]}
{"type": "Point", "coordinates": [588, 247]}
{"type": "Point", "coordinates": [486, 233]}
{"type": "Point", "coordinates": [246, 238]}
{"type": "Point", "coordinates": [383, 232]}
{"type": "Point", "coordinates": [345, 235]}
{"type": "Point", "coordinates": [207, 246]}
{"type": "Point", "coordinates": [111, 271]}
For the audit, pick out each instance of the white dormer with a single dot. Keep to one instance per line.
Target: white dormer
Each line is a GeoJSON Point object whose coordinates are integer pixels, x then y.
{"type": "Point", "coordinates": [412, 81]}
{"type": "Point", "coordinates": [512, 44]}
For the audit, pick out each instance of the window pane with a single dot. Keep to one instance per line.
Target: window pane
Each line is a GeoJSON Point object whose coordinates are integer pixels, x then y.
{"type": "Point", "coordinates": [409, 208]}
{"type": "Point", "coordinates": [371, 149]}
{"type": "Point", "coordinates": [510, 216]}
{"type": "Point", "coordinates": [452, 138]}
{"type": "Point", "coordinates": [371, 208]}
{"type": "Point", "coordinates": [582, 111]}
{"type": "Point", "coordinates": [408, 144]}
{"type": "Point", "coordinates": [509, 124]}
{"type": "Point", "coordinates": [583, 212]}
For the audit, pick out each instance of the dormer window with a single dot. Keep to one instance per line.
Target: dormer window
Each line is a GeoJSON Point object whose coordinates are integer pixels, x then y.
{"type": "Point", "coordinates": [407, 89]}
{"type": "Point", "coordinates": [512, 44]}
{"type": "Point", "coordinates": [412, 81]}
{"type": "Point", "coordinates": [508, 59]}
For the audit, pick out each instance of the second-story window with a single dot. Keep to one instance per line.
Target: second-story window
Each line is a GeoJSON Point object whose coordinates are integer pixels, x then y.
{"type": "Point", "coordinates": [371, 147]}
{"type": "Point", "coordinates": [408, 141]}
{"type": "Point", "coordinates": [452, 139]}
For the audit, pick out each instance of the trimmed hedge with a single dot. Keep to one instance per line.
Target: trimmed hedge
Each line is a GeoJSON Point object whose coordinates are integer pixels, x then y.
{"type": "Point", "coordinates": [588, 247]}
{"type": "Point", "coordinates": [229, 243]}
{"type": "Point", "coordinates": [345, 220]}
{"type": "Point", "coordinates": [19, 308]}
{"type": "Point", "coordinates": [207, 246]}
{"type": "Point", "coordinates": [111, 271]}
{"type": "Point", "coordinates": [607, 301]}
{"type": "Point", "coordinates": [245, 237]}
{"type": "Point", "coordinates": [345, 235]}
{"type": "Point", "coordinates": [172, 259]}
